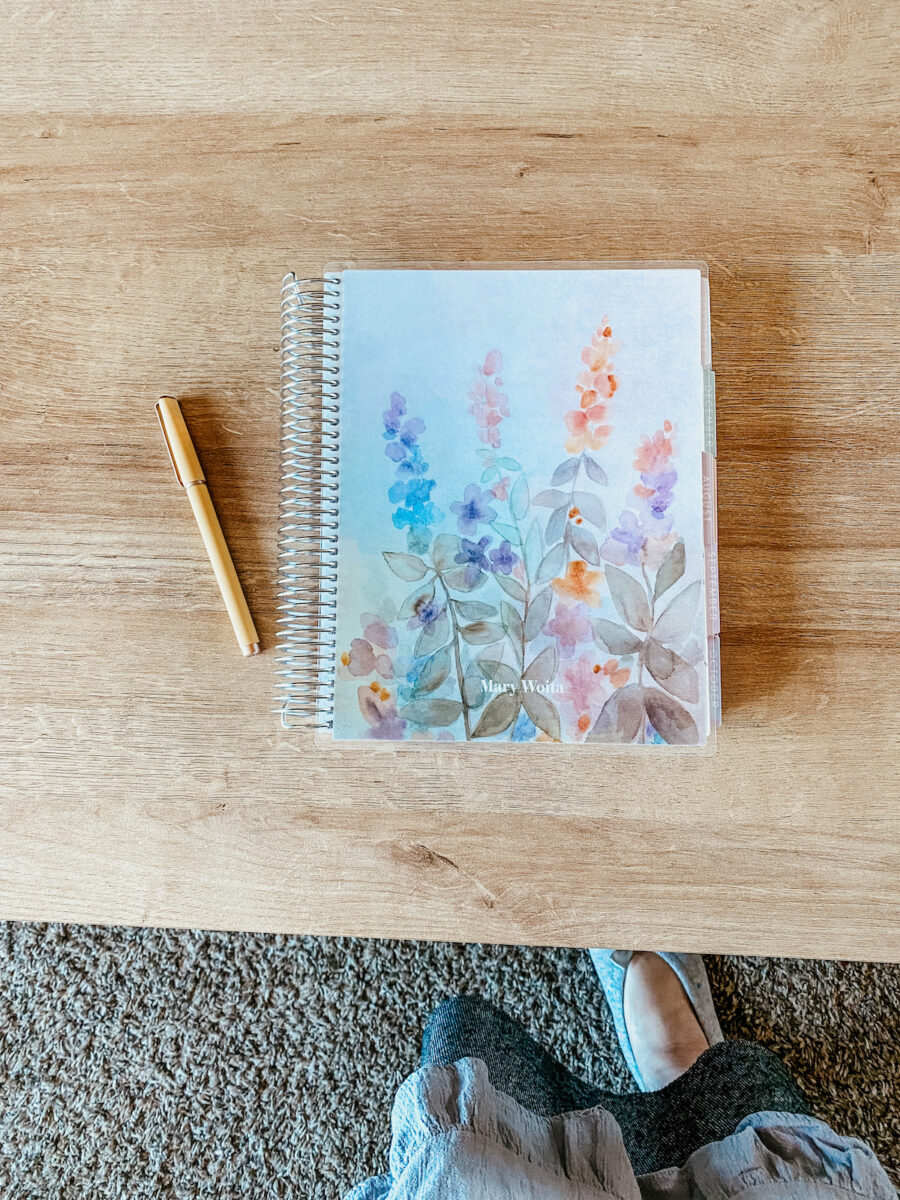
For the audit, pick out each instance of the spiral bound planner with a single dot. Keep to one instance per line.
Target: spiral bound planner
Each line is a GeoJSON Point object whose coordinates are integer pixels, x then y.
{"type": "Point", "coordinates": [498, 511]}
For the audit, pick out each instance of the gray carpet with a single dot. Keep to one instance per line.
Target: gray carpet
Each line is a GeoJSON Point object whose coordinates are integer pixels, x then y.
{"type": "Point", "coordinates": [144, 1063]}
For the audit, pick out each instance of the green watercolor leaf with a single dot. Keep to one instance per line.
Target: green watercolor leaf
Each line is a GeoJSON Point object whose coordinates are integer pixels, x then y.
{"type": "Point", "coordinates": [482, 633]}
{"type": "Point", "coordinates": [406, 566]}
{"type": "Point", "coordinates": [670, 570]}
{"type": "Point", "coordinates": [551, 498]}
{"type": "Point", "coordinates": [615, 638]}
{"type": "Point", "coordinates": [435, 671]}
{"type": "Point", "coordinates": [518, 498]}
{"type": "Point", "coordinates": [498, 715]}
{"type": "Point", "coordinates": [474, 610]}
{"type": "Point", "coordinates": [557, 523]}
{"type": "Point", "coordinates": [509, 464]}
{"type": "Point", "coordinates": [415, 600]}
{"type": "Point", "coordinates": [629, 598]}
{"type": "Point", "coordinates": [490, 473]}
{"type": "Point", "coordinates": [671, 671]}
{"type": "Point", "coordinates": [585, 545]}
{"type": "Point", "coordinates": [509, 532]}
{"type": "Point", "coordinates": [674, 625]}
{"type": "Point", "coordinates": [542, 668]}
{"type": "Point", "coordinates": [433, 711]}
{"type": "Point", "coordinates": [472, 690]}
{"type": "Point", "coordinates": [511, 586]}
{"type": "Point", "coordinates": [458, 581]}
{"type": "Point", "coordinates": [565, 471]}
{"type": "Point", "coordinates": [543, 712]}
{"type": "Point", "coordinates": [620, 718]}
{"type": "Point", "coordinates": [433, 636]}
{"type": "Point", "coordinates": [673, 723]}
{"type": "Point", "coordinates": [591, 508]}
{"type": "Point", "coordinates": [538, 612]}
{"type": "Point", "coordinates": [594, 470]}
{"type": "Point", "coordinates": [552, 563]}
{"type": "Point", "coordinates": [498, 672]}
{"type": "Point", "coordinates": [512, 623]}
{"type": "Point", "coordinates": [444, 549]}
{"type": "Point", "coordinates": [534, 547]}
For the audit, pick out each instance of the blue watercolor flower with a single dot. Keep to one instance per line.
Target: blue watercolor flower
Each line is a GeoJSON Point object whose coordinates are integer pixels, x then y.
{"type": "Point", "coordinates": [411, 493]}
{"type": "Point", "coordinates": [426, 611]}
{"type": "Point", "coordinates": [525, 729]}
{"type": "Point", "coordinates": [413, 464]}
{"type": "Point", "coordinates": [503, 559]}
{"type": "Point", "coordinates": [472, 555]}
{"type": "Point", "coordinates": [473, 510]}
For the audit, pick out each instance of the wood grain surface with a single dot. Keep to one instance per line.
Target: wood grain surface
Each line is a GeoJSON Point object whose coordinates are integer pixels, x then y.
{"type": "Point", "coordinates": [161, 167]}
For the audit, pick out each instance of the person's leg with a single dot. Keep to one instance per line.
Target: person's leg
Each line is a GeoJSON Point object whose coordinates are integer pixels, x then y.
{"type": "Point", "coordinates": [726, 1084]}
{"type": "Point", "coordinates": [665, 1035]}
{"type": "Point", "coordinates": [470, 1027]}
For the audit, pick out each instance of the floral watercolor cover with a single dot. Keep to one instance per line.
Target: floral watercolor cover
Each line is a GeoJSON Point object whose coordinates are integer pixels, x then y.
{"type": "Point", "coordinates": [521, 553]}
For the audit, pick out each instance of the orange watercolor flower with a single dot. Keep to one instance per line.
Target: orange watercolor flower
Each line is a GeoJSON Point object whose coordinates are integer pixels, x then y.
{"type": "Point", "coordinates": [595, 386]}
{"type": "Point", "coordinates": [654, 453]}
{"type": "Point", "coordinates": [579, 583]}
{"type": "Point", "coordinates": [617, 676]}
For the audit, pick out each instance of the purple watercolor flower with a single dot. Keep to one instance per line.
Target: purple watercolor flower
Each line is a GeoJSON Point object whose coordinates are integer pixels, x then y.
{"type": "Point", "coordinates": [473, 510]}
{"type": "Point", "coordinates": [393, 415]}
{"type": "Point", "coordinates": [381, 716]}
{"type": "Point", "coordinates": [625, 542]}
{"type": "Point", "coordinates": [503, 559]}
{"type": "Point", "coordinates": [411, 431]}
{"type": "Point", "coordinates": [472, 554]}
{"type": "Point", "coordinates": [570, 626]}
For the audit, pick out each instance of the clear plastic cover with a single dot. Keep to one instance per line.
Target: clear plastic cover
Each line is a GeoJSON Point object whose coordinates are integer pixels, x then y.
{"type": "Point", "coordinates": [629, 680]}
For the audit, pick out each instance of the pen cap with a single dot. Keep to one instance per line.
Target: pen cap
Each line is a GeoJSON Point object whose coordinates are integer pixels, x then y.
{"type": "Point", "coordinates": [178, 441]}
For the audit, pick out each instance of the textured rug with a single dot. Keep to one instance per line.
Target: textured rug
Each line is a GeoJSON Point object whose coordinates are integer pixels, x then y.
{"type": "Point", "coordinates": [145, 1063]}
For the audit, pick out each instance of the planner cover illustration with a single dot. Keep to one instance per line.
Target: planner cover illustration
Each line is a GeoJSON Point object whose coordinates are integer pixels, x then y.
{"type": "Point", "coordinates": [521, 551]}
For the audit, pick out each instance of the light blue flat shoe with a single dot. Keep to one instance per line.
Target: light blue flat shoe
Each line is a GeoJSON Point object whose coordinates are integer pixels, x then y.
{"type": "Point", "coordinates": [611, 965]}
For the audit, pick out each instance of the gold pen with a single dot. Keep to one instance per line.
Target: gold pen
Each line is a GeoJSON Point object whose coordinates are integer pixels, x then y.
{"type": "Point", "coordinates": [190, 475]}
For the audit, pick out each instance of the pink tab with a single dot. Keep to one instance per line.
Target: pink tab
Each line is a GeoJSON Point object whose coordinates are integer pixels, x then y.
{"type": "Point", "coordinates": [711, 544]}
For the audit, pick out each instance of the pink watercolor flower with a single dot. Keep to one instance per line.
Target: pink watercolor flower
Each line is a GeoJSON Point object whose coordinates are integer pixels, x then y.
{"type": "Point", "coordinates": [493, 363]}
{"type": "Point", "coordinates": [489, 404]}
{"type": "Point", "coordinates": [377, 631]}
{"type": "Point", "coordinates": [361, 660]}
{"type": "Point", "coordinates": [586, 685]}
{"type": "Point", "coordinates": [653, 454]}
{"type": "Point", "coordinates": [582, 683]}
{"type": "Point", "coordinates": [570, 625]}
{"type": "Point", "coordinates": [501, 488]}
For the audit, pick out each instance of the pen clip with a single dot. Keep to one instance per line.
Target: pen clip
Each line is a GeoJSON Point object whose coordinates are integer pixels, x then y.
{"type": "Point", "coordinates": [165, 434]}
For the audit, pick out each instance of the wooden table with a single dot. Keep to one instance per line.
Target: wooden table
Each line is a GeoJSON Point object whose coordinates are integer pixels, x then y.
{"type": "Point", "coordinates": [162, 166]}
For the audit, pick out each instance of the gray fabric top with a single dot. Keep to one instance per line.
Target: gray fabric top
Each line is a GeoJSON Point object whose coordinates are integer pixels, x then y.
{"type": "Point", "coordinates": [455, 1137]}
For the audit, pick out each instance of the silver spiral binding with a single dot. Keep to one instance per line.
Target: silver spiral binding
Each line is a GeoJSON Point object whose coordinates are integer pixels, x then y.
{"type": "Point", "coordinates": [308, 514]}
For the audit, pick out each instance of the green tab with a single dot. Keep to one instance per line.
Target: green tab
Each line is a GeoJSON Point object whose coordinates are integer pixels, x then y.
{"type": "Point", "coordinates": [709, 410]}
